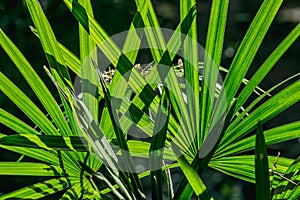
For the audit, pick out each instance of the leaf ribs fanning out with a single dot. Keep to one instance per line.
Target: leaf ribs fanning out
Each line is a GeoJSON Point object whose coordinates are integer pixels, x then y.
{"type": "Point", "coordinates": [115, 122]}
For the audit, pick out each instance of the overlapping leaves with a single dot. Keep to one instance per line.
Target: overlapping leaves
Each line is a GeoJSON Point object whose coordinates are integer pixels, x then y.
{"type": "Point", "coordinates": [76, 138]}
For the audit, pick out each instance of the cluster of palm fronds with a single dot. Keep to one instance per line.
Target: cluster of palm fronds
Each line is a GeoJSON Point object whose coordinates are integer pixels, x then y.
{"type": "Point", "coordinates": [83, 141]}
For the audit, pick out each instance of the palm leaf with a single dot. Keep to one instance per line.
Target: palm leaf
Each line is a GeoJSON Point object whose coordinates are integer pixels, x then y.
{"type": "Point", "coordinates": [194, 180]}
{"type": "Point", "coordinates": [267, 66]}
{"type": "Point", "coordinates": [214, 46]}
{"type": "Point", "coordinates": [29, 169]}
{"type": "Point", "coordinates": [272, 136]}
{"type": "Point", "coordinates": [47, 39]}
{"type": "Point", "coordinates": [289, 188]}
{"type": "Point", "coordinates": [88, 52]}
{"type": "Point", "coordinates": [278, 103]}
{"type": "Point", "coordinates": [243, 167]}
{"type": "Point", "coordinates": [157, 144]}
{"type": "Point", "coordinates": [34, 81]}
{"type": "Point", "coordinates": [262, 180]}
{"type": "Point", "coordinates": [71, 60]}
{"type": "Point", "coordinates": [38, 190]}
{"type": "Point", "coordinates": [246, 53]}
{"type": "Point", "coordinates": [46, 142]}
{"type": "Point", "coordinates": [26, 105]}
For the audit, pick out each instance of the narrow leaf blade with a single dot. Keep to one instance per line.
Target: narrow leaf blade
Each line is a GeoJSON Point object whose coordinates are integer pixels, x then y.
{"type": "Point", "coordinates": [261, 166]}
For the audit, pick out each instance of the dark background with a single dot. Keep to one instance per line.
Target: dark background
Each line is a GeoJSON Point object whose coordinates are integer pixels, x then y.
{"type": "Point", "coordinates": [115, 16]}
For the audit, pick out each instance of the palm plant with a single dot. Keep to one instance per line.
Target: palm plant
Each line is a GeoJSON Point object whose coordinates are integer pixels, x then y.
{"type": "Point", "coordinates": [82, 143]}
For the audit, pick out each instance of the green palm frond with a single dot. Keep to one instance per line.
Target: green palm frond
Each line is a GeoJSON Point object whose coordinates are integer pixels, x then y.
{"type": "Point", "coordinates": [82, 143]}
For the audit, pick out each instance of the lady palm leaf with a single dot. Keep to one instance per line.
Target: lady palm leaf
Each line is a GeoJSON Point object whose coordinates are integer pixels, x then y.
{"type": "Point", "coordinates": [214, 46]}
{"type": "Point", "coordinates": [289, 188]}
{"type": "Point", "coordinates": [76, 139]}
{"type": "Point", "coordinates": [262, 180]}
{"type": "Point", "coordinates": [46, 187]}
{"type": "Point", "coordinates": [232, 166]}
